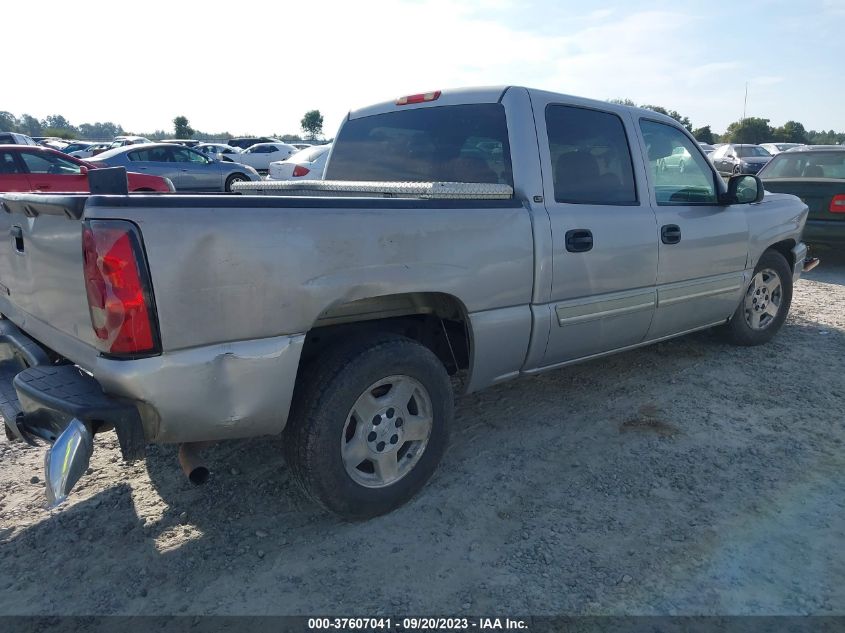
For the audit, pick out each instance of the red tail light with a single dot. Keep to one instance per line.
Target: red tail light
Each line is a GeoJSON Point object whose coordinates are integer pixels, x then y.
{"type": "Point", "coordinates": [837, 205]}
{"type": "Point", "coordinates": [420, 98]}
{"type": "Point", "coordinates": [299, 170]}
{"type": "Point", "coordinates": [118, 287]}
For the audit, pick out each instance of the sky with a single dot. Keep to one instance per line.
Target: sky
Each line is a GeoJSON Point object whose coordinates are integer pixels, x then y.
{"type": "Point", "coordinates": [257, 67]}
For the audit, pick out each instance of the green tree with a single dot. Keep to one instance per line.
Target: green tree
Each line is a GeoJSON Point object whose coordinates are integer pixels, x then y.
{"type": "Point", "coordinates": [790, 132]}
{"type": "Point", "coordinates": [672, 113]}
{"type": "Point", "coordinates": [750, 130]}
{"type": "Point", "coordinates": [312, 124]}
{"type": "Point", "coordinates": [30, 125]}
{"type": "Point", "coordinates": [704, 134]}
{"type": "Point", "coordinates": [58, 122]}
{"type": "Point", "coordinates": [625, 102]}
{"type": "Point", "coordinates": [181, 128]}
{"type": "Point", "coordinates": [8, 122]}
{"type": "Point", "coordinates": [100, 131]}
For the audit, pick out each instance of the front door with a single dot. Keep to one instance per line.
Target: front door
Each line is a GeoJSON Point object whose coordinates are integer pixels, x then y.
{"type": "Point", "coordinates": [703, 245]}
{"type": "Point", "coordinates": [603, 232]}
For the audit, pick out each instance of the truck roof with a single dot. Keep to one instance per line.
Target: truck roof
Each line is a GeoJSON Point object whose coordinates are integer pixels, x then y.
{"type": "Point", "coordinates": [493, 94]}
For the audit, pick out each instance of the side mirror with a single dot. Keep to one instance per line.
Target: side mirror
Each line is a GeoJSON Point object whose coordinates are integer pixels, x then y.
{"type": "Point", "coordinates": [83, 170]}
{"type": "Point", "coordinates": [743, 189]}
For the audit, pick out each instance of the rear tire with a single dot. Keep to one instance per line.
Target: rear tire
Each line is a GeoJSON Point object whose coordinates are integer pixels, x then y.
{"type": "Point", "coordinates": [231, 180]}
{"type": "Point", "coordinates": [369, 425]}
{"type": "Point", "coordinates": [765, 304]}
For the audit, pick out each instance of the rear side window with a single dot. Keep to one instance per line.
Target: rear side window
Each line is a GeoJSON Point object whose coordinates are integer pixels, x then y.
{"type": "Point", "coordinates": [462, 143]}
{"type": "Point", "coordinates": [8, 164]}
{"type": "Point", "coordinates": [7, 138]}
{"type": "Point", "coordinates": [590, 156]}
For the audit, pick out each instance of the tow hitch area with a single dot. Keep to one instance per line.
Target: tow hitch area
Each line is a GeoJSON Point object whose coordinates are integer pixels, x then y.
{"type": "Point", "coordinates": [810, 263]}
{"type": "Point", "coordinates": [67, 459]}
{"type": "Point", "coordinates": [62, 406]}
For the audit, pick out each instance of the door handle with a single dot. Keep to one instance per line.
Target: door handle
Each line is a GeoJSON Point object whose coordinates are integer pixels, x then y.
{"type": "Point", "coordinates": [42, 185]}
{"type": "Point", "coordinates": [16, 233]}
{"type": "Point", "coordinates": [579, 240]}
{"type": "Point", "coordinates": [670, 233]}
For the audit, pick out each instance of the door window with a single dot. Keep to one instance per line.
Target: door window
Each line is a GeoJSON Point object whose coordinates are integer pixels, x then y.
{"type": "Point", "coordinates": [590, 157]}
{"type": "Point", "coordinates": [185, 155]}
{"type": "Point", "coordinates": [695, 184]}
{"type": "Point", "coordinates": [49, 164]}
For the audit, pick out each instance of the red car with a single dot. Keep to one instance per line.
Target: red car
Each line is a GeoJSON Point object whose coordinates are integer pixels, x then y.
{"type": "Point", "coordinates": [30, 168]}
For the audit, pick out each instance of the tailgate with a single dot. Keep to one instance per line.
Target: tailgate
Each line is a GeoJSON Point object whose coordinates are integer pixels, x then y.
{"type": "Point", "coordinates": [41, 268]}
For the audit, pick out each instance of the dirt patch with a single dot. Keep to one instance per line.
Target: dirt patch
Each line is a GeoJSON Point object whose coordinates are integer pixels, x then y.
{"type": "Point", "coordinates": [649, 419]}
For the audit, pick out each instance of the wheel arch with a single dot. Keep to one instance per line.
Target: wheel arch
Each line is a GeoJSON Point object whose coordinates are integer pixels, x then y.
{"type": "Point", "coordinates": [437, 320]}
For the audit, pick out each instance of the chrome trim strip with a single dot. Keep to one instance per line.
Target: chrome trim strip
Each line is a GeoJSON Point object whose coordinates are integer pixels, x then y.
{"type": "Point", "coordinates": [673, 293]}
{"type": "Point", "coordinates": [695, 295]}
{"type": "Point", "coordinates": [583, 310]}
{"type": "Point", "coordinates": [540, 370]}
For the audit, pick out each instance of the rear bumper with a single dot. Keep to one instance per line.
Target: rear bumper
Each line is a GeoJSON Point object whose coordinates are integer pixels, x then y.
{"type": "Point", "coordinates": [39, 400]}
{"type": "Point", "coordinates": [824, 232]}
{"type": "Point", "coordinates": [799, 254]}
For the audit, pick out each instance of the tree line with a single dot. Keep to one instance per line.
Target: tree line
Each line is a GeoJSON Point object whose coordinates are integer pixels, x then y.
{"type": "Point", "coordinates": [58, 126]}
{"type": "Point", "coordinates": [749, 130]}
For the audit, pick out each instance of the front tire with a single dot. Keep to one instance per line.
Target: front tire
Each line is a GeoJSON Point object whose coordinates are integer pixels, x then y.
{"type": "Point", "coordinates": [369, 425]}
{"type": "Point", "coordinates": [231, 180]}
{"type": "Point", "coordinates": [764, 305]}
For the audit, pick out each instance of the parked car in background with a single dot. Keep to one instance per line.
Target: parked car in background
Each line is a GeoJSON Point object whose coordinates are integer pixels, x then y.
{"type": "Point", "coordinates": [812, 148]}
{"type": "Point", "coordinates": [91, 150]}
{"type": "Point", "coordinates": [189, 169]}
{"type": "Point", "coordinates": [122, 141]}
{"type": "Point", "coordinates": [776, 148]}
{"type": "Point", "coordinates": [306, 164]}
{"type": "Point", "coordinates": [219, 151]}
{"type": "Point", "coordinates": [248, 141]}
{"type": "Point", "coordinates": [817, 176]}
{"type": "Point", "coordinates": [77, 146]}
{"type": "Point", "coordinates": [738, 158]}
{"type": "Point", "coordinates": [14, 138]}
{"type": "Point", "coordinates": [187, 142]}
{"type": "Point", "coordinates": [26, 168]}
{"type": "Point", "coordinates": [261, 155]}
{"type": "Point", "coordinates": [678, 159]}
{"type": "Point", "coordinates": [707, 148]}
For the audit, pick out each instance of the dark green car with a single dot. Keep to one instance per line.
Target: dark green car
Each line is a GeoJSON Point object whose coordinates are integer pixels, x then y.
{"type": "Point", "coordinates": [817, 176]}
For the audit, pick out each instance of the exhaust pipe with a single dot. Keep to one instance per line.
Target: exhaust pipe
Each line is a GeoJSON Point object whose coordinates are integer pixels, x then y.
{"type": "Point", "coordinates": [193, 465]}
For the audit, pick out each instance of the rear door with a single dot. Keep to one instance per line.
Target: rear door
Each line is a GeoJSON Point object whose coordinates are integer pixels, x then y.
{"type": "Point", "coordinates": [703, 245]}
{"type": "Point", "coordinates": [603, 231]}
{"type": "Point", "coordinates": [51, 173]}
{"type": "Point", "coordinates": [156, 161]}
{"type": "Point", "coordinates": [12, 173]}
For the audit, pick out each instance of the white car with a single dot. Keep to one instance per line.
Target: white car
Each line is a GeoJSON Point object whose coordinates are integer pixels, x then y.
{"type": "Point", "coordinates": [777, 148]}
{"type": "Point", "coordinates": [219, 151]}
{"type": "Point", "coordinates": [91, 150]}
{"type": "Point", "coordinates": [260, 155]}
{"type": "Point", "coordinates": [306, 164]}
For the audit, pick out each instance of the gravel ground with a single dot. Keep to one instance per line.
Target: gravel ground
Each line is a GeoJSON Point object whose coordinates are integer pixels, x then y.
{"type": "Point", "coordinates": [689, 477]}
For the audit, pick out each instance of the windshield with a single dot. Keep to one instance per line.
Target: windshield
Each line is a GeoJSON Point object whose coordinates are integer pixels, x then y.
{"type": "Point", "coordinates": [799, 165]}
{"type": "Point", "coordinates": [460, 143]}
{"type": "Point", "coordinates": [751, 151]}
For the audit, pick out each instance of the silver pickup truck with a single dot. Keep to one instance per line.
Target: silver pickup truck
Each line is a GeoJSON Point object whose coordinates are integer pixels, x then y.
{"type": "Point", "coordinates": [461, 237]}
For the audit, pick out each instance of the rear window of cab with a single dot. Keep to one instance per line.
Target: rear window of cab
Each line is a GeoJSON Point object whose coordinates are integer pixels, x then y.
{"type": "Point", "coordinates": [459, 143]}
